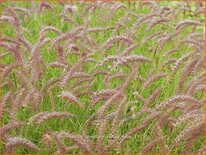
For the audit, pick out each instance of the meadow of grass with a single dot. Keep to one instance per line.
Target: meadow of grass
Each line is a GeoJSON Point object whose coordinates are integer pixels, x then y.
{"type": "Point", "coordinates": [102, 77]}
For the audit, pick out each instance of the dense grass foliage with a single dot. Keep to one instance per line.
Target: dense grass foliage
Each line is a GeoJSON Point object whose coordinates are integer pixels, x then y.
{"type": "Point", "coordinates": [102, 77]}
